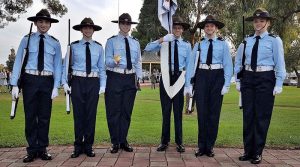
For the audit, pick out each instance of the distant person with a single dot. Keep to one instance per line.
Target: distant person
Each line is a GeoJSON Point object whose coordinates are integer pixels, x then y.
{"type": "Point", "coordinates": [262, 79]}
{"type": "Point", "coordinates": [3, 81]}
{"type": "Point", "coordinates": [153, 81]}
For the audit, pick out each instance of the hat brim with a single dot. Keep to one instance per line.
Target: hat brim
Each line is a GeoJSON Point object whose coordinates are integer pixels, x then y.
{"type": "Point", "coordinates": [217, 23]}
{"type": "Point", "coordinates": [251, 18]}
{"type": "Point", "coordinates": [185, 26]}
{"type": "Point", "coordinates": [79, 26]}
{"type": "Point", "coordinates": [35, 18]}
{"type": "Point", "coordinates": [130, 22]}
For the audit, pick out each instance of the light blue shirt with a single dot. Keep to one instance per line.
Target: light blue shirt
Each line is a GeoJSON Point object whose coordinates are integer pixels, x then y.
{"type": "Point", "coordinates": [184, 52]}
{"type": "Point", "coordinates": [221, 55]}
{"type": "Point", "coordinates": [52, 57]}
{"type": "Point", "coordinates": [116, 46]}
{"type": "Point", "coordinates": [270, 53]}
{"type": "Point", "coordinates": [79, 59]}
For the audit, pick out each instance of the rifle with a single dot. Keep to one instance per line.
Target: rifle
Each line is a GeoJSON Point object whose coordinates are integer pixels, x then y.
{"type": "Point", "coordinates": [193, 79]}
{"type": "Point", "coordinates": [68, 71]}
{"type": "Point", "coordinates": [241, 73]}
{"type": "Point", "coordinates": [14, 102]}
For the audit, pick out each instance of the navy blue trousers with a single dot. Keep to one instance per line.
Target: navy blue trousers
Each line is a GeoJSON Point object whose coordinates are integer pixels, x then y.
{"type": "Point", "coordinates": [37, 100]}
{"type": "Point", "coordinates": [208, 87]}
{"type": "Point", "coordinates": [258, 100]}
{"type": "Point", "coordinates": [119, 101]}
{"type": "Point", "coordinates": [166, 106]}
{"type": "Point", "coordinates": [85, 96]}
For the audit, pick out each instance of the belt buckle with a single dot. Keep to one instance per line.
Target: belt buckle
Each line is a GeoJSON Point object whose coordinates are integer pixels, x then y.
{"type": "Point", "coordinates": [209, 67]}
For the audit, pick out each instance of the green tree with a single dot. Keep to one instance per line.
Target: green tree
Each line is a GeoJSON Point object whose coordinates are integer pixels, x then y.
{"type": "Point", "coordinates": [11, 59]}
{"type": "Point", "coordinates": [10, 10]}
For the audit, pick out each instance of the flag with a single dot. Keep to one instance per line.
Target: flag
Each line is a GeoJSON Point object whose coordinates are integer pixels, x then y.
{"type": "Point", "coordinates": [164, 11]}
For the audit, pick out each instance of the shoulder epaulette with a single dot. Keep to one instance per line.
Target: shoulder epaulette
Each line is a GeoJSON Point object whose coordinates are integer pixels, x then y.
{"type": "Point", "coordinates": [202, 39]}
{"type": "Point", "coordinates": [75, 42]}
{"type": "Point", "coordinates": [273, 35]}
{"type": "Point", "coordinates": [112, 36]}
{"type": "Point", "coordinates": [250, 35]}
{"type": "Point", "coordinates": [28, 34]}
{"type": "Point", "coordinates": [186, 41]}
{"type": "Point", "coordinates": [53, 38]}
{"type": "Point", "coordinates": [98, 43]}
{"type": "Point", "coordinates": [221, 38]}
{"type": "Point", "coordinates": [134, 38]}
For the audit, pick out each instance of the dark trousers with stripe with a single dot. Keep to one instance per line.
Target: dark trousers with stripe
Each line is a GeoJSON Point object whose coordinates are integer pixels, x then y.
{"type": "Point", "coordinates": [85, 96]}
{"type": "Point", "coordinates": [37, 92]}
{"type": "Point", "coordinates": [209, 100]}
{"type": "Point", "coordinates": [119, 100]}
{"type": "Point", "coordinates": [258, 100]}
{"type": "Point", "coordinates": [167, 103]}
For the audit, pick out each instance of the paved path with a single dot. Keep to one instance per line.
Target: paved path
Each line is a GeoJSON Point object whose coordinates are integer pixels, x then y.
{"type": "Point", "coordinates": [148, 156]}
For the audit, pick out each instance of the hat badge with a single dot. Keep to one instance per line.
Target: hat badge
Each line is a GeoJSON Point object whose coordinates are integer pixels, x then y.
{"type": "Point", "coordinates": [257, 14]}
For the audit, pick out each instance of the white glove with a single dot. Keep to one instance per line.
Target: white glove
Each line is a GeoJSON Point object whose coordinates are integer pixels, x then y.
{"type": "Point", "coordinates": [225, 90]}
{"type": "Point", "coordinates": [67, 89]}
{"type": "Point", "coordinates": [54, 93]}
{"type": "Point", "coordinates": [277, 90]}
{"type": "Point", "coordinates": [15, 92]}
{"type": "Point", "coordinates": [238, 86]}
{"type": "Point", "coordinates": [169, 38]}
{"type": "Point", "coordinates": [102, 90]}
{"type": "Point", "coordinates": [188, 90]}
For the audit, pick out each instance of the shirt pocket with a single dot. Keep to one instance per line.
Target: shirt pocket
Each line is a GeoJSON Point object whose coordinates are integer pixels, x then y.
{"type": "Point", "coordinates": [78, 55]}
{"type": "Point", "coordinates": [133, 53]}
{"type": "Point", "coordinates": [265, 48]}
{"type": "Point", "coordinates": [50, 50]}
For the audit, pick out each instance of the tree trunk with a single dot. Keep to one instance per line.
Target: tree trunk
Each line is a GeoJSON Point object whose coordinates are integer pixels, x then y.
{"type": "Point", "coordinates": [298, 77]}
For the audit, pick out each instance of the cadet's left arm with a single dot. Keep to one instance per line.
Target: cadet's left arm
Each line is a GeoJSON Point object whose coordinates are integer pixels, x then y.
{"type": "Point", "coordinates": [57, 66]}
{"type": "Point", "coordinates": [227, 64]}
{"type": "Point", "coordinates": [101, 66]}
{"type": "Point", "coordinates": [138, 65]}
{"type": "Point", "coordinates": [280, 71]}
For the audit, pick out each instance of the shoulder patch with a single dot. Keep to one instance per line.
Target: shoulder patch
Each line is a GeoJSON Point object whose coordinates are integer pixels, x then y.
{"type": "Point", "coordinates": [202, 39]}
{"type": "Point", "coordinates": [53, 38]}
{"type": "Point", "coordinates": [98, 43]}
{"type": "Point", "coordinates": [221, 38]}
{"type": "Point", "coordinates": [134, 38]}
{"type": "Point", "coordinates": [273, 35]}
{"type": "Point", "coordinates": [75, 42]}
{"type": "Point", "coordinates": [112, 36]}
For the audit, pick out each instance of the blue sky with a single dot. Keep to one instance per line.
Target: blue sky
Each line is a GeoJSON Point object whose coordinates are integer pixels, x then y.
{"type": "Point", "coordinates": [101, 11]}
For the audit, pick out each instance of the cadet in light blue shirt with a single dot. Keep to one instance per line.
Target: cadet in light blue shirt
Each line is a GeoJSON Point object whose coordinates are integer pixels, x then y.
{"type": "Point", "coordinates": [211, 72]}
{"type": "Point", "coordinates": [180, 56]}
{"type": "Point", "coordinates": [88, 81]}
{"type": "Point", "coordinates": [124, 70]}
{"type": "Point", "coordinates": [40, 80]}
{"type": "Point", "coordinates": [259, 79]}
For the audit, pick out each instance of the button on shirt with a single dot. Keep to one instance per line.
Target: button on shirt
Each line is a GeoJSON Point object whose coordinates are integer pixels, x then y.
{"type": "Point", "coordinates": [270, 53]}
{"type": "Point", "coordinates": [221, 55]}
{"type": "Point", "coordinates": [79, 59]}
{"type": "Point", "coordinates": [52, 57]}
{"type": "Point", "coordinates": [116, 46]}
{"type": "Point", "coordinates": [184, 52]}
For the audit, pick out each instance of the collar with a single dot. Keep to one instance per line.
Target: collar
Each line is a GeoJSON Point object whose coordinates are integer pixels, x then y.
{"type": "Point", "coordinates": [83, 41]}
{"type": "Point", "coordinates": [122, 36]}
{"type": "Point", "coordinates": [206, 39]}
{"type": "Point", "coordinates": [45, 34]}
{"type": "Point", "coordinates": [261, 35]}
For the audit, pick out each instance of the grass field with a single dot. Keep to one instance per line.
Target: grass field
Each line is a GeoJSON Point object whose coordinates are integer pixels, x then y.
{"type": "Point", "coordinates": [146, 122]}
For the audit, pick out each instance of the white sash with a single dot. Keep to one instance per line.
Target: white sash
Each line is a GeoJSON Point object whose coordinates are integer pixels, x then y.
{"type": "Point", "coordinates": [164, 65]}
